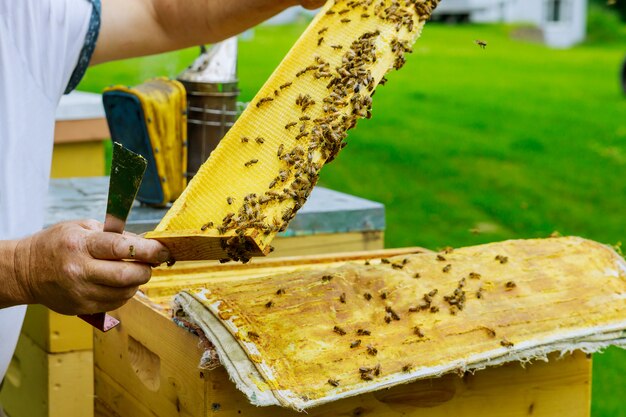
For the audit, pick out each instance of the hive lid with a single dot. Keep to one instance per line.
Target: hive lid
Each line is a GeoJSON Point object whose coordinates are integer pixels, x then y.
{"type": "Point", "coordinates": [286, 339]}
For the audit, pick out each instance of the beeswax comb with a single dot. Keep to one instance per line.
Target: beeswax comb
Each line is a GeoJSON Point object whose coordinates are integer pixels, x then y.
{"type": "Point", "coordinates": [266, 166]}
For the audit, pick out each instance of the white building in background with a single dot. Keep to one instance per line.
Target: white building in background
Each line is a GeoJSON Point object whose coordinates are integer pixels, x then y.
{"type": "Point", "coordinates": [563, 22]}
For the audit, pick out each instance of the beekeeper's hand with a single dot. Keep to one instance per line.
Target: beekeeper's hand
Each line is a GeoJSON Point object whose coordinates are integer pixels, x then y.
{"type": "Point", "coordinates": [75, 268]}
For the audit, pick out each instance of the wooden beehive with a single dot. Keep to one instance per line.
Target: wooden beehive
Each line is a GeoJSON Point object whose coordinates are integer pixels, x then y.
{"type": "Point", "coordinates": [149, 367]}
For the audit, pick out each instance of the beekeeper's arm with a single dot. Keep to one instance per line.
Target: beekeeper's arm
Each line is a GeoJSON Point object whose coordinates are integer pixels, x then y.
{"type": "Point", "coordinates": [144, 27]}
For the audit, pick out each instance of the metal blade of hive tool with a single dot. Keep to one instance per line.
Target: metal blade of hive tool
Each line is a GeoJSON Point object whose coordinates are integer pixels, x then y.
{"type": "Point", "coordinates": [127, 170]}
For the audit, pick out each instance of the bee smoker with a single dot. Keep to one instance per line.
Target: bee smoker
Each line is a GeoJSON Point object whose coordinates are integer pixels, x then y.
{"type": "Point", "coordinates": [211, 85]}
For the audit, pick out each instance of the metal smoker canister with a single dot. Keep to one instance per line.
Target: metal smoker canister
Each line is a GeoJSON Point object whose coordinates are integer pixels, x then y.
{"type": "Point", "coordinates": [212, 104]}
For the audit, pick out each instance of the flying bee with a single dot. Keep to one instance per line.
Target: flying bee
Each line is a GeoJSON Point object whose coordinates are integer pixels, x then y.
{"type": "Point", "coordinates": [251, 162]}
{"type": "Point", "coordinates": [333, 382]}
{"type": "Point", "coordinates": [481, 44]}
{"type": "Point", "coordinates": [355, 344]}
{"type": "Point", "coordinates": [339, 331]}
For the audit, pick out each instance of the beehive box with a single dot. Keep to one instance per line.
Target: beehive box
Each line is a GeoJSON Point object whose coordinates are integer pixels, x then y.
{"type": "Point", "coordinates": [149, 367]}
{"type": "Point", "coordinates": [330, 222]}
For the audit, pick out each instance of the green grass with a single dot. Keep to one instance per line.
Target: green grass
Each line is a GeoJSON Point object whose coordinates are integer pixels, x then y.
{"type": "Point", "coordinates": [514, 141]}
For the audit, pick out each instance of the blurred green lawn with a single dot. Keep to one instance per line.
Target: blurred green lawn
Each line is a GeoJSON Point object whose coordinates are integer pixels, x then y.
{"type": "Point", "coordinates": [514, 141]}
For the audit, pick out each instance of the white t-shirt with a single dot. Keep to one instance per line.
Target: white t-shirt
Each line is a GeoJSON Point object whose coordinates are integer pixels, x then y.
{"type": "Point", "coordinates": [40, 44]}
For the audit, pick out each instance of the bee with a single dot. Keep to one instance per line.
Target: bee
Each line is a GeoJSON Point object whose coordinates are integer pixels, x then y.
{"type": "Point", "coordinates": [269, 304]}
{"type": "Point", "coordinates": [251, 162]}
{"type": "Point", "coordinates": [345, 20]}
{"type": "Point", "coordinates": [392, 313]}
{"type": "Point", "coordinates": [342, 298]}
{"type": "Point", "coordinates": [479, 293]}
{"type": "Point", "coordinates": [364, 15]}
{"type": "Point", "coordinates": [282, 87]}
{"type": "Point", "coordinates": [366, 263]}
{"type": "Point", "coordinates": [131, 251]}
{"type": "Point", "coordinates": [229, 200]}
{"type": "Point", "coordinates": [206, 226]}
{"type": "Point", "coordinates": [417, 275]}
{"type": "Point", "coordinates": [327, 278]}
{"type": "Point", "coordinates": [462, 283]}
{"type": "Point", "coordinates": [339, 331]}
{"type": "Point", "coordinates": [253, 335]}
{"type": "Point", "coordinates": [397, 266]}
{"type": "Point", "coordinates": [447, 268]}
{"type": "Point", "coordinates": [510, 285]}
{"type": "Point", "coordinates": [506, 343]}
{"type": "Point", "coordinates": [474, 275]}
{"type": "Point", "coordinates": [417, 331]}
{"type": "Point", "coordinates": [371, 350]}
{"type": "Point", "coordinates": [363, 332]}
{"type": "Point", "coordinates": [434, 309]}
{"type": "Point", "coordinates": [367, 376]}
{"type": "Point", "coordinates": [329, 12]}
{"type": "Point", "coordinates": [413, 309]}
{"type": "Point", "coordinates": [407, 368]}
{"type": "Point", "coordinates": [502, 259]}
{"type": "Point", "coordinates": [273, 183]}
{"type": "Point", "coordinates": [383, 295]}
{"type": "Point", "coordinates": [481, 44]}
{"type": "Point", "coordinates": [280, 291]}
{"type": "Point", "coordinates": [263, 101]}
{"type": "Point", "coordinates": [260, 140]}
{"type": "Point", "coordinates": [490, 332]}
{"type": "Point", "coordinates": [322, 30]}
{"type": "Point", "coordinates": [344, 11]}
{"type": "Point", "coordinates": [336, 47]}
{"type": "Point", "coordinates": [355, 344]}
{"type": "Point", "coordinates": [385, 261]}
{"type": "Point", "coordinates": [333, 382]}
{"type": "Point", "coordinates": [320, 41]}
{"type": "Point", "coordinates": [305, 118]}
{"type": "Point", "coordinates": [280, 151]}
{"type": "Point", "coordinates": [377, 370]}
{"type": "Point", "coordinates": [276, 93]}
{"type": "Point", "coordinates": [367, 296]}
{"type": "Point", "coordinates": [441, 258]}
{"type": "Point", "coordinates": [245, 140]}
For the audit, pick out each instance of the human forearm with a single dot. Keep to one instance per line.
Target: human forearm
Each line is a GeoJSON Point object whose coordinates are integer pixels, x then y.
{"type": "Point", "coordinates": [12, 292]}
{"type": "Point", "coordinates": [143, 27]}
